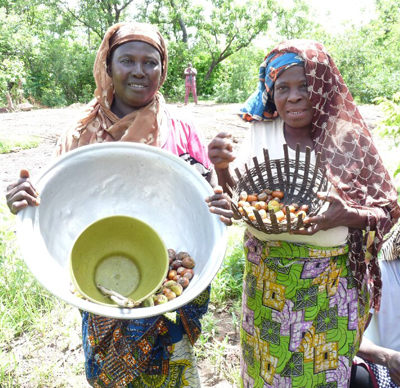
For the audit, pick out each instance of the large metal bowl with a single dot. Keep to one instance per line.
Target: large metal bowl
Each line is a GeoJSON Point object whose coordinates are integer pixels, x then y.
{"type": "Point", "coordinates": [107, 179]}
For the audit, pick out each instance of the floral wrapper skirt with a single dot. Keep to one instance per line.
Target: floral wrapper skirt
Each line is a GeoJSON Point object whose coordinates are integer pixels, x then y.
{"type": "Point", "coordinates": [182, 370]}
{"type": "Point", "coordinates": [152, 352]}
{"type": "Point", "coordinates": [301, 318]}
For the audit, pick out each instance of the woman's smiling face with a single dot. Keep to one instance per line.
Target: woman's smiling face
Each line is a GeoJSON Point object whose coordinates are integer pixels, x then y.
{"type": "Point", "coordinates": [136, 70]}
{"type": "Point", "coordinates": [291, 98]}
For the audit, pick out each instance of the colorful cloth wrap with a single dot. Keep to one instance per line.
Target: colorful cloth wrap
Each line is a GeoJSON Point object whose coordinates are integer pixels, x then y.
{"type": "Point", "coordinates": [260, 105]}
{"type": "Point", "coordinates": [118, 351]}
{"type": "Point", "coordinates": [301, 322]}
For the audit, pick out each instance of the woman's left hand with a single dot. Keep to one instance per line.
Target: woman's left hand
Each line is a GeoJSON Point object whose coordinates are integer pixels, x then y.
{"type": "Point", "coordinates": [220, 204]}
{"type": "Point", "coordinates": [337, 214]}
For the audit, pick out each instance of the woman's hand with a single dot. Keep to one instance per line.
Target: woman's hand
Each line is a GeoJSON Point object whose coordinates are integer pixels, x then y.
{"type": "Point", "coordinates": [393, 364]}
{"type": "Point", "coordinates": [337, 214]}
{"type": "Point", "coordinates": [220, 151]}
{"type": "Point", "coordinates": [21, 194]}
{"type": "Point", "coordinates": [220, 204]}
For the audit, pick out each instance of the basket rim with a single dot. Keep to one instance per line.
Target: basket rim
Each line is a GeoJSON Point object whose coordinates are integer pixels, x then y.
{"type": "Point", "coordinates": [258, 177]}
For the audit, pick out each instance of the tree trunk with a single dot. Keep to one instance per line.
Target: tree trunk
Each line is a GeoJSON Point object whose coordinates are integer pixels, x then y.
{"type": "Point", "coordinates": [20, 92]}
{"type": "Point", "coordinates": [211, 69]}
{"type": "Point", "coordinates": [181, 23]}
{"type": "Point", "coordinates": [10, 103]}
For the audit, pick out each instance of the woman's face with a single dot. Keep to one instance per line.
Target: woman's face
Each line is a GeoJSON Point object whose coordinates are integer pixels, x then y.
{"type": "Point", "coordinates": [136, 70]}
{"type": "Point", "coordinates": [291, 98]}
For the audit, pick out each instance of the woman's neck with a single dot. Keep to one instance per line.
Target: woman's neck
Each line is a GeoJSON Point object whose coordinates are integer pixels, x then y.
{"type": "Point", "coordinates": [121, 110]}
{"type": "Point", "coordinates": [302, 136]}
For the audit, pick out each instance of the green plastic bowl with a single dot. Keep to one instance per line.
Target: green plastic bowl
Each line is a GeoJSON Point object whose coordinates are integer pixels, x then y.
{"type": "Point", "coordinates": [120, 253]}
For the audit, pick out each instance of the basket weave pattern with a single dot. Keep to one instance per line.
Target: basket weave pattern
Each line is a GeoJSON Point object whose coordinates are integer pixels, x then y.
{"type": "Point", "coordinates": [298, 180]}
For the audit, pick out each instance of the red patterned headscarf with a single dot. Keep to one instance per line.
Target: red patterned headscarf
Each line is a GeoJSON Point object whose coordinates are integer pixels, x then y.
{"type": "Point", "coordinates": [349, 153]}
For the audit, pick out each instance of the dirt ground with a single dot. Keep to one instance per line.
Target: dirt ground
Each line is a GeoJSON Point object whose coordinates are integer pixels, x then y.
{"type": "Point", "coordinates": [48, 124]}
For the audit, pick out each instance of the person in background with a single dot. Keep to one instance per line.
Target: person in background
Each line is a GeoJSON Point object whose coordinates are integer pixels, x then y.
{"type": "Point", "coordinates": [378, 360]}
{"type": "Point", "coordinates": [306, 293]}
{"type": "Point", "coordinates": [130, 67]}
{"type": "Point", "coordinates": [190, 83]}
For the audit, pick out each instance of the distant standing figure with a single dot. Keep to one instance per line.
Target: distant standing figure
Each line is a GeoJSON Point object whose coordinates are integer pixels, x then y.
{"type": "Point", "coordinates": [190, 82]}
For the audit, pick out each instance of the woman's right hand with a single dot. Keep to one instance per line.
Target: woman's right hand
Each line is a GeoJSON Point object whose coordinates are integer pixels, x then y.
{"type": "Point", "coordinates": [220, 204]}
{"type": "Point", "coordinates": [21, 194]}
{"type": "Point", "coordinates": [220, 151]}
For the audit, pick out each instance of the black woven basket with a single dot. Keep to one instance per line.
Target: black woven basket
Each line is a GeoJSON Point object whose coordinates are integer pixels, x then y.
{"type": "Point", "coordinates": [298, 180]}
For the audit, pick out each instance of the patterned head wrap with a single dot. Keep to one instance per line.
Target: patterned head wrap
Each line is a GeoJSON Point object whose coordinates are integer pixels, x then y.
{"type": "Point", "coordinates": [260, 106]}
{"type": "Point", "coordinates": [99, 124]}
{"type": "Point", "coordinates": [139, 32]}
{"type": "Point", "coordinates": [347, 149]}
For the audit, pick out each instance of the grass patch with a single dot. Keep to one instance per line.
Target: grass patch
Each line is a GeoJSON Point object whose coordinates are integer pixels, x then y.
{"type": "Point", "coordinates": [22, 300]}
{"type": "Point", "coordinates": [226, 300]}
{"type": "Point", "coordinates": [10, 145]}
{"type": "Point", "coordinates": [227, 285]}
{"type": "Point", "coordinates": [33, 323]}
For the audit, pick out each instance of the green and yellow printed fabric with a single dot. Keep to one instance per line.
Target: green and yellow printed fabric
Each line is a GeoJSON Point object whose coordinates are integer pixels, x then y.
{"type": "Point", "coordinates": [301, 317]}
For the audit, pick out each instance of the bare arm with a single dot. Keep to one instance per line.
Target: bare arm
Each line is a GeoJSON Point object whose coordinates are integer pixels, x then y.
{"type": "Point", "coordinates": [381, 356]}
{"type": "Point", "coordinates": [220, 152]}
{"type": "Point", "coordinates": [221, 155]}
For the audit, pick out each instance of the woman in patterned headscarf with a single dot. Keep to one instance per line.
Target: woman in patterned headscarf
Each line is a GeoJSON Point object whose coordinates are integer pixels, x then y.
{"type": "Point", "coordinates": [130, 67]}
{"type": "Point", "coordinates": [305, 297]}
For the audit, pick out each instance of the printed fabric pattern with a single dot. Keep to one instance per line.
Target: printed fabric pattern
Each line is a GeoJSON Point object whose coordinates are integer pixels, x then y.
{"type": "Point", "coordinates": [301, 320]}
{"type": "Point", "coordinates": [151, 352]}
{"type": "Point", "coordinates": [382, 375]}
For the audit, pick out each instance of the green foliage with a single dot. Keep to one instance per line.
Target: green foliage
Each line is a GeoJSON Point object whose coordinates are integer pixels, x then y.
{"type": "Point", "coordinates": [47, 49]}
{"type": "Point", "coordinates": [14, 40]}
{"type": "Point", "coordinates": [368, 58]}
{"type": "Point", "coordinates": [51, 65]}
{"type": "Point", "coordinates": [233, 26]}
{"type": "Point", "coordinates": [22, 299]}
{"type": "Point", "coordinates": [296, 22]}
{"type": "Point", "coordinates": [239, 78]}
{"type": "Point", "coordinates": [228, 282]}
{"type": "Point", "coordinates": [8, 145]}
{"type": "Point", "coordinates": [62, 75]}
{"type": "Point", "coordinates": [389, 126]}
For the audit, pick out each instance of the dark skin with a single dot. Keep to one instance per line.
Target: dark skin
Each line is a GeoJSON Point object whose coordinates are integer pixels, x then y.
{"type": "Point", "coordinates": [381, 356]}
{"type": "Point", "coordinates": [294, 107]}
{"type": "Point", "coordinates": [22, 194]}
{"type": "Point", "coordinates": [136, 71]}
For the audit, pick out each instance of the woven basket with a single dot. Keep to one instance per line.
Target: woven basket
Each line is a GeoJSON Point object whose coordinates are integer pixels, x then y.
{"type": "Point", "coordinates": [298, 180]}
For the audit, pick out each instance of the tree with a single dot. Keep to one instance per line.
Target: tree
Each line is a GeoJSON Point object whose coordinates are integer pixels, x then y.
{"type": "Point", "coordinates": [96, 15]}
{"type": "Point", "coordinates": [296, 22]}
{"type": "Point", "coordinates": [368, 57]}
{"type": "Point", "coordinates": [232, 27]}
